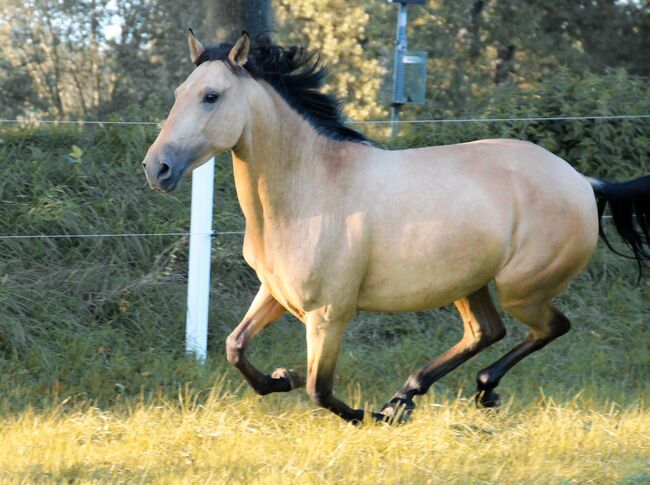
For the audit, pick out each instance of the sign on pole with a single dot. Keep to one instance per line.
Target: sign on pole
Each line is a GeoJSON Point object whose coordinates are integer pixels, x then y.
{"type": "Point", "coordinates": [409, 68]}
{"type": "Point", "coordinates": [198, 278]}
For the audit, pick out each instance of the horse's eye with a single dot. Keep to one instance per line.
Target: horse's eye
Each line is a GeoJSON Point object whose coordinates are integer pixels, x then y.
{"type": "Point", "coordinates": [210, 98]}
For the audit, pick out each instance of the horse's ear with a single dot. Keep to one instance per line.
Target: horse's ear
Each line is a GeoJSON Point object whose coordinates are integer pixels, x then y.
{"type": "Point", "coordinates": [239, 53]}
{"type": "Point", "coordinates": [196, 47]}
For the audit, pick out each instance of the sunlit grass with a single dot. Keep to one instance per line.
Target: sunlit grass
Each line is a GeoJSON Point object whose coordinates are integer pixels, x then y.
{"type": "Point", "coordinates": [229, 439]}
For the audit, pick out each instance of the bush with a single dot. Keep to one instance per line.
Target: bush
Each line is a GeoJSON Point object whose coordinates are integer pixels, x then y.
{"type": "Point", "coordinates": [610, 149]}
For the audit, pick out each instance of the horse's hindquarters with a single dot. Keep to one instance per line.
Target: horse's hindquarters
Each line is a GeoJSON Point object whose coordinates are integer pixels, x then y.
{"type": "Point", "coordinates": [497, 209]}
{"type": "Point", "coordinates": [553, 243]}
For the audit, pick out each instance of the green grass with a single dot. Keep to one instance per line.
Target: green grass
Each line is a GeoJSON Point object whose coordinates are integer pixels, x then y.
{"type": "Point", "coordinates": [92, 330]}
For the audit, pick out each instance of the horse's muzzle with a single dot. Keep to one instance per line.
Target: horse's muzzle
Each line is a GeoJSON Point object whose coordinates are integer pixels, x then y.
{"type": "Point", "coordinates": [163, 172]}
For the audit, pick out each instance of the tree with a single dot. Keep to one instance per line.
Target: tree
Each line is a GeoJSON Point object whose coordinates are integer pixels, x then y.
{"type": "Point", "coordinates": [99, 58]}
{"type": "Point", "coordinates": [226, 19]}
{"type": "Point", "coordinates": [340, 29]}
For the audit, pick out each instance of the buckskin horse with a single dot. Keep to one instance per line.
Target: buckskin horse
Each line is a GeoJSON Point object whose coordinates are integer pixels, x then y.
{"type": "Point", "coordinates": [335, 225]}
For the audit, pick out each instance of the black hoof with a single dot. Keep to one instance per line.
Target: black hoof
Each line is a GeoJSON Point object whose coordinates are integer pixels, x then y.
{"type": "Point", "coordinates": [487, 399]}
{"type": "Point", "coordinates": [397, 411]}
{"type": "Point", "coordinates": [376, 417]}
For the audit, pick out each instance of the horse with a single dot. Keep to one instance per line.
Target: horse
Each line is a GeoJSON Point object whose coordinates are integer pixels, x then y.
{"type": "Point", "coordinates": [335, 225]}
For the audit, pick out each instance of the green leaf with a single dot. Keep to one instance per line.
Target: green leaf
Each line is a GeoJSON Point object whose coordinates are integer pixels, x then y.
{"type": "Point", "coordinates": [75, 154]}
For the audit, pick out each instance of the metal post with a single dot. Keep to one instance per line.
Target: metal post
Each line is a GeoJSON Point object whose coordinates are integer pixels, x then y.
{"type": "Point", "coordinates": [401, 46]}
{"type": "Point", "coordinates": [198, 284]}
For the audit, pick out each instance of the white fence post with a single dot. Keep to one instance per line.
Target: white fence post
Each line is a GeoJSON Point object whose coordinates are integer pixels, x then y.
{"type": "Point", "coordinates": [198, 278]}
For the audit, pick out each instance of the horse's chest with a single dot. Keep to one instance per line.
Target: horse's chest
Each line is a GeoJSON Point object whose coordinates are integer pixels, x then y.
{"type": "Point", "coordinates": [292, 277]}
{"type": "Point", "coordinates": [304, 275]}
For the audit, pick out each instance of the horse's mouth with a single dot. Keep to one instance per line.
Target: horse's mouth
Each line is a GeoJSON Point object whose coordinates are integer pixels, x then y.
{"type": "Point", "coordinates": [167, 184]}
{"type": "Point", "coordinates": [164, 190]}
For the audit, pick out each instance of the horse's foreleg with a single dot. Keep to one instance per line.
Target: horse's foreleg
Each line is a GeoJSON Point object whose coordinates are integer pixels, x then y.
{"type": "Point", "coordinates": [482, 327]}
{"type": "Point", "coordinates": [547, 323]}
{"type": "Point", "coordinates": [263, 311]}
{"type": "Point", "coordinates": [324, 339]}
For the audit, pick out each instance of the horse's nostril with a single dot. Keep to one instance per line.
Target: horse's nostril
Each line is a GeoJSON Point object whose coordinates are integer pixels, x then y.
{"type": "Point", "coordinates": [164, 172]}
{"type": "Point", "coordinates": [144, 164]}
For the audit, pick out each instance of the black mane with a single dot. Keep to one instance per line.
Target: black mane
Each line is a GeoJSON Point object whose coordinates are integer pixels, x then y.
{"type": "Point", "coordinates": [297, 74]}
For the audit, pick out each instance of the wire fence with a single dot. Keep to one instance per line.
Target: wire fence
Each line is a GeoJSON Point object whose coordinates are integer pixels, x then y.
{"type": "Point", "coordinates": [240, 232]}
{"type": "Point", "coordinates": [143, 234]}
{"type": "Point", "coordinates": [350, 122]}
{"type": "Point", "coordinates": [499, 120]}
{"type": "Point", "coordinates": [134, 234]}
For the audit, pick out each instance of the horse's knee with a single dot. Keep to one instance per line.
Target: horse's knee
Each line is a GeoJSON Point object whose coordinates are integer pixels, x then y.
{"type": "Point", "coordinates": [235, 346]}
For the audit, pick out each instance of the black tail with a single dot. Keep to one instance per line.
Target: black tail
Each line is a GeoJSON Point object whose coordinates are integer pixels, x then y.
{"type": "Point", "coordinates": [627, 201]}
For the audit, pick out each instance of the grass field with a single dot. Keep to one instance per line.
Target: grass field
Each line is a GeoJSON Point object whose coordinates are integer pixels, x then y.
{"type": "Point", "coordinates": [229, 439]}
{"type": "Point", "coordinates": [96, 388]}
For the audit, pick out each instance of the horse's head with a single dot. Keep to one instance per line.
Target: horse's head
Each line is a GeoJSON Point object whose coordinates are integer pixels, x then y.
{"type": "Point", "coordinates": [208, 116]}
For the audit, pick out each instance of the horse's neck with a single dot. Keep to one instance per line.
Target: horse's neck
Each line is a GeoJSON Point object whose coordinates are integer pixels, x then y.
{"type": "Point", "coordinates": [279, 168]}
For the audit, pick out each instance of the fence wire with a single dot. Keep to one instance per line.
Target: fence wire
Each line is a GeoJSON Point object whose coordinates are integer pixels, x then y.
{"type": "Point", "coordinates": [9, 237]}
{"type": "Point", "coordinates": [349, 122]}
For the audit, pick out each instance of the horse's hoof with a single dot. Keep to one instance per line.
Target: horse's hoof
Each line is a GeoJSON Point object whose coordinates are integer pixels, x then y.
{"type": "Point", "coordinates": [397, 411]}
{"type": "Point", "coordinates": [487, 399]}
{"type": "Point", "coordinates": [292, 376]}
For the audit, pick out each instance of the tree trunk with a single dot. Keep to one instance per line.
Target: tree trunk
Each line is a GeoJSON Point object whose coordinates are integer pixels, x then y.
{"type": "Point", "coordinates": [504, 68]}
{"type": "Point", "coordinates": [96, 69]}
{"type": "Point", "coordinates": [475, 20]}
{"type": "Point", "coordinates": [505, 65]}
{"type": "Point", "coordinates": [55, 84]}
{"type": "Point", "coordinates": [226, 19]}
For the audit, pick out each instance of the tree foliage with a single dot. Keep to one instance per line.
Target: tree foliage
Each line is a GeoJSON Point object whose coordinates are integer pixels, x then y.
{"type": "Point", "coordinates": [342, 31]}
{"type": "Point", "coordinates": [97, 58]}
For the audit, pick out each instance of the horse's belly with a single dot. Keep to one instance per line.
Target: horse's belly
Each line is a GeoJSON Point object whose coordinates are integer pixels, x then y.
{"type": "Point", "coordinates": [398, 296]}
{"type": "Point", "coordinates": [437, 275]}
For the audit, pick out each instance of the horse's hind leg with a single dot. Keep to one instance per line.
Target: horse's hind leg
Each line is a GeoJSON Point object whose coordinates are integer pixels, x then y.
{"type": "Point", "coordinates": [483, 327]}
{"type": "Point", "coordinates": [547, 324]}
{"type": "Point", "coordinates": [263, 311]}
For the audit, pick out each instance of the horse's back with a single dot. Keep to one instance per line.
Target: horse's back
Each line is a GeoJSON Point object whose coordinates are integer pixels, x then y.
{"type": "Point", "coordinates": [447, 220]}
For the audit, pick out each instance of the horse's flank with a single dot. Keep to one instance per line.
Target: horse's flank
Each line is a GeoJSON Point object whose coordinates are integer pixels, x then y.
{"type": "Point", "coordinates": [339, 223]}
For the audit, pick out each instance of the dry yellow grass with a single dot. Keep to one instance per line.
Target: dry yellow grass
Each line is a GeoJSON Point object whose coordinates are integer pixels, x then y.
{"type": "Point", "coordinates": [282, 439]}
